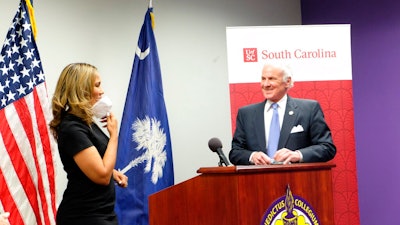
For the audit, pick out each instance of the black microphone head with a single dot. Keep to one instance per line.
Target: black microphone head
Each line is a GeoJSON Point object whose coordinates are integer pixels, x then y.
{"type": "Point", "coordinates": [214, 144]}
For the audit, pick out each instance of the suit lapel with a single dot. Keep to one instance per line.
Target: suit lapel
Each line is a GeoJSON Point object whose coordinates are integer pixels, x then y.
{"type": "Point", "coordinates": [289, 118]}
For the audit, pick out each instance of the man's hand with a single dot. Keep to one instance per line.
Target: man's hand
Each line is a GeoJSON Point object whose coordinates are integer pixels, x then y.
{"type": "Point", "coordinates": [260, 158]}
{"type": "Point", "coordinates": [287, 156]}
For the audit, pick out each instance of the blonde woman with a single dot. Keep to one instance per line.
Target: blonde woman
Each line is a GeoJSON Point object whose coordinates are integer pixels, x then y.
{"type": "Point", "coordinates": [87, 154]}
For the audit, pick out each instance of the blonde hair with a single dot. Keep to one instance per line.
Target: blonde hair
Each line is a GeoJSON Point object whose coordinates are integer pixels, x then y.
{"type": "Point", "coordinates": [73, 94]}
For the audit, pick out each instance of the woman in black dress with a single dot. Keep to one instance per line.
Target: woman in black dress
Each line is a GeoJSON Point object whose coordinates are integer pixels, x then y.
{"type": "Point", "coordinates": [87, 154]}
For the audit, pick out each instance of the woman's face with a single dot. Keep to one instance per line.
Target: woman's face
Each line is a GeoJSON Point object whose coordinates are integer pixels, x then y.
{"type": "Point", "coordinates": [97, 89]}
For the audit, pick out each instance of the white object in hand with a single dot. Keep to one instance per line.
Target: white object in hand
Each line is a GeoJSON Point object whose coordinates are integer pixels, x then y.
{"type": "Point", "coordinates": [102, 107]}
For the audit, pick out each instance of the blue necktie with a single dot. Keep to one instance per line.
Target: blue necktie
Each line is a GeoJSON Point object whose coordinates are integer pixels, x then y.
{"type": "Point", "coordinates": [274, 131]}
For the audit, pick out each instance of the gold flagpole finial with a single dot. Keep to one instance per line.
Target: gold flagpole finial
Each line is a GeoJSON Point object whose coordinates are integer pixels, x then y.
{"type": "Point", "coordinates": [153, 23]}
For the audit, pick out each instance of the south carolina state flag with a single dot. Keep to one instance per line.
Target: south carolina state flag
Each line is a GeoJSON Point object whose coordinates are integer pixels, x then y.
{"type": "Point", "coordinates": [144, 146]}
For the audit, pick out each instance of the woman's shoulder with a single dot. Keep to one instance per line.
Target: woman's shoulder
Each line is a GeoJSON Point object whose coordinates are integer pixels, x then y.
{"type": "Point", "coordinates": [72, 122]}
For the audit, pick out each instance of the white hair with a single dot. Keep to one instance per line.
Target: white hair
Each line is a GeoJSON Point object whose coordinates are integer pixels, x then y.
{"type": "Point", "coordinates": [286, 70]}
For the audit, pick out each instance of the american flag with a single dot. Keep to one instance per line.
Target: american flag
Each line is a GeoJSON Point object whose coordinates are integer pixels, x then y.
{"type": "Point", "coordinates": [27, 169]}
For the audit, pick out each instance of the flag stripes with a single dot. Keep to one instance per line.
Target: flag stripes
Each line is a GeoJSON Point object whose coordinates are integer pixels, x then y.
{"type": "Point", "coordinates": [27, 169]}
{"type": "Point", "coordinates": [7, 198]}
{"type": "Point", "coordinates": [35, 169]}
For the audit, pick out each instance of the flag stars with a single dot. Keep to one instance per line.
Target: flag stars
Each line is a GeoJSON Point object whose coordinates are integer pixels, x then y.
{"type": "Point", "coordinates": [41, 76]}
{"type": "Point", "coordinates": [35, 63]}
{"type": "Point", "coordinates": [10, 96]}
{"type": "Point", "coordinates": [15, 48]}
{"type": "Point", "coordinates": [3, 101]}
{"type": "Point", "coordinates": [30, 84]}
{"type": "Point", "coordinates": [9, 53]}
{"type": "Point", "coordinates": [20, 65]}
{"type": "Point", "coordinates": [23, 13]}
{"type": "Point", "coordinates": [21, 90]}
{"type": "Point", "coordinates": [29, 37]}
{"type": "Point", "coordinates": [11, 66]}
{"type": "Point", "coordinates": [7, 83]}
{"type": "Point", "coordinates": [25, 72]}
{"type": "Point", "coordinates": [6, 42]}
{"type": "Point", "coordinates": [23, 43]}
{"type": "Point", "coordinates": [26, 26]}
{"type": "Point", "coordinates": [19, 32]}
{"type": "Point", "coordinates": [15, 78]}
{"type": "Point", "coordinates": [29, 53]}
{"type": "Point", "coordinates": [20, 60]}
{"type": "Point", "coordinates": [12, 37]}
{"type": "Point", "coordinates": [4, 70]}
{"type": "Point", "coordinates": [2, 88]}
{"type": "Point", "coordinates": [18, 19]}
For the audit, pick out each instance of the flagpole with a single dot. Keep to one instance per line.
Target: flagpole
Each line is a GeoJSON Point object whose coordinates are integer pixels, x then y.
{"type": "Point", "coordinates": [31, 12]}
{"type": "Point", "coordinates": [150, 4]}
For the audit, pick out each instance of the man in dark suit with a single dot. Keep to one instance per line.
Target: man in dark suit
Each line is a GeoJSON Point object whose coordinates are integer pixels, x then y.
{"type": "Point", "coordinates": [304, 135]}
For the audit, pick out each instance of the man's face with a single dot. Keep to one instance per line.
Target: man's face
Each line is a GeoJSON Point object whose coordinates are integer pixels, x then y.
{"type": "Point", "coordinates": [272, 84]}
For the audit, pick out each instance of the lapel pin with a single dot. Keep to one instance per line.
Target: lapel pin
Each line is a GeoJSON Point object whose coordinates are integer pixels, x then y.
{"type": "Point", "coordinates": [291, 113]}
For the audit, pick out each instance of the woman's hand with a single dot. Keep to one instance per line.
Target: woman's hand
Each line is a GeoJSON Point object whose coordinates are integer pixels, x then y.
{"type": "Point", "coordinates": [120, 178]}
{"type": "Point", "coordinates": [4, 218]}
{"type": "Point", "coordinates": [111, 123]}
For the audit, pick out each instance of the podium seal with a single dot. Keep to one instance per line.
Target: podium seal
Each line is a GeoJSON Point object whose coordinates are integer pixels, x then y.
{"type": "Point", "coordinates": [290, 210]}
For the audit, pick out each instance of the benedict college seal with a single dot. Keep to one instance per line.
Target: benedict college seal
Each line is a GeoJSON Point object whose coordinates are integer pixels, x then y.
{"type": "Point", "coordinates": [290, 210]}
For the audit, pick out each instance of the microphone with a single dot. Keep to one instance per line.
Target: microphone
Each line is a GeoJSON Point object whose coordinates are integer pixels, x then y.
{"type": "Point", "coordinates": [216, 146]}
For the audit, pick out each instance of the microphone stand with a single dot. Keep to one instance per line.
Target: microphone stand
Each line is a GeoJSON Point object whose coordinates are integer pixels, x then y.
{"type": "Point", "coordinates": [221, 162]}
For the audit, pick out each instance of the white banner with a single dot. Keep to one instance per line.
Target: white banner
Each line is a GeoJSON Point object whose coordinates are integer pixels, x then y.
{"type": "Point", "coordinates": [314, 52]}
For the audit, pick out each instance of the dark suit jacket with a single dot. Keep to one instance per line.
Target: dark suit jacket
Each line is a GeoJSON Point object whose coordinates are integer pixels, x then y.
{"type": "Point", "coordinates": [314, 142]}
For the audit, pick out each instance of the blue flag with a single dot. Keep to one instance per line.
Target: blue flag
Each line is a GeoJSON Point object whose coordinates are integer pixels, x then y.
{"type": "Point", "coordinates": [144, 145]}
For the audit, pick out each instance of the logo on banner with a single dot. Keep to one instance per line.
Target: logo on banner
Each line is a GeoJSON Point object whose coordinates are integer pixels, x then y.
{"type": "Point", "coordinates": [290, 210]}
{"type": "Point", "coordinates": [250, 55]}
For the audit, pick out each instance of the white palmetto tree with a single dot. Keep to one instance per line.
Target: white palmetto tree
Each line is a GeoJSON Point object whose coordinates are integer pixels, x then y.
{"type": "Point", "coordinates": [149, 137]}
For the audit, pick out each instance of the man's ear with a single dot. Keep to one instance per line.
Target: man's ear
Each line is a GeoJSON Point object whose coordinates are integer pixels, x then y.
{"type": "Point", "coordinates": [288, 82]}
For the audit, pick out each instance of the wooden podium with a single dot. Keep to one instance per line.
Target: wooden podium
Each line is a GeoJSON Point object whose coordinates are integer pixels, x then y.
{"type": "Point", "coordinates": [242, 194]}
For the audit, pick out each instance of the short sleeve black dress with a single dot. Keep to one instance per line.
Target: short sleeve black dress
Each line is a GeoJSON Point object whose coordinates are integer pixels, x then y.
{"type": "Point", "coordinates": [84, 202]}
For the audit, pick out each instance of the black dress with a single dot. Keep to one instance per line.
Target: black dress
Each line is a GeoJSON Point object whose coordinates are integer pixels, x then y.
{"type": "Point", "coordinates": [84, 202]}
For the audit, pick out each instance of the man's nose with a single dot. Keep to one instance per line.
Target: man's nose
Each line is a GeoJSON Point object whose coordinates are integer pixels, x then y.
{"type": "Point", "coordinates": [265, 83]}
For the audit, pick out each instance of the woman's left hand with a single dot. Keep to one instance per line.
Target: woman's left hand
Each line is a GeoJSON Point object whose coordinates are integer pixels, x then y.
{"type": "Point", "coordinates": [4, 218]}
{"type": "Point", "coordinates": [120, 178]}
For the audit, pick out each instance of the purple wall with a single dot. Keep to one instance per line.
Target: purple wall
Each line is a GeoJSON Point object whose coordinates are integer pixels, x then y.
{"type": "Point", "coordinates": [375, 30]}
